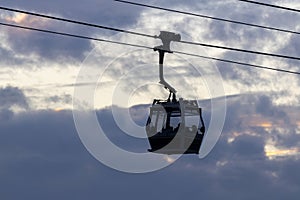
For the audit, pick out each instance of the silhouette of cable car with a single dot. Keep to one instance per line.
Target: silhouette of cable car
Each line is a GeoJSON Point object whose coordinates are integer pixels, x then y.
{"type": "Point", "coordinates": [173, 126]}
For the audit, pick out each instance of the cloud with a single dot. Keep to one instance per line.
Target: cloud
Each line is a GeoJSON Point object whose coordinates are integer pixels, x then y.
{"type": "Point", "coordinates": [41, 152]}
{"type": "Point", "coordinates": [264, 106]}
{"type": "Point", "coordinates": [66, 99]}
{"type": "Point", "coordinates": [58, 47]}
{"type": "Point", "coordinates": [8, 56]}
{"type": "Point", "coordinates": [12, 99]}
{"type": "Point", "coordinates": [103, 11]}
{"type": "Point", "coordinates": [256, 157]}
{"type": "Point", "coordinates": [5, 115]}
{"type": "Point", "coordinates": [12, 96]}
{"type": "Point", "coordinates": [47, 46]}
{"type": "Point", "coordinates": [35, 50]}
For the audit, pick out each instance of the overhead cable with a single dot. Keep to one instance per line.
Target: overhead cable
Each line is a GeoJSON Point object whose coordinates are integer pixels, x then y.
{"type": "Point", "coordinates": [210, 17]}
{"type": "Point", "coordinates": [145, 47]}
{"type": "Point", "coordinates": [152, 36]}
{"type": "Point", "coordinates": [241, 50]}
{"type": "Point", "coordinates": [75, 21]}
{"type": "Point", "coordinates": [238, 63]}
{"type": "Point", "coordinates": [73, 35]}
{"type": "Point", "coordinates": [271, 5]}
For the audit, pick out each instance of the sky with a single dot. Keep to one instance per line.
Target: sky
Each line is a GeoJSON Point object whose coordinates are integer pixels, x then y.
{"type": "Point", "coordinates": [44, 155]}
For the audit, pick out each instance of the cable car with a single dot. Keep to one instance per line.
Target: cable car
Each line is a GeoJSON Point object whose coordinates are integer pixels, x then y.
{"type": "Point", "coordinates": [173, 126]}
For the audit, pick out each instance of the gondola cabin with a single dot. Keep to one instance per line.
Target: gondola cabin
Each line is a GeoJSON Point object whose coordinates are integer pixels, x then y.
{"type": "Point", "coordinates": [175, 127]}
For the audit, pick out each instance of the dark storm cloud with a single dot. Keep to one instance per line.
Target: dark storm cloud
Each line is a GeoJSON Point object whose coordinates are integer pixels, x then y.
{"type": "Point", "coordinates": [12, 96]}
{"type": "Point", "coordinates": [42, 157]}
{"type": "Point", "coordinates": [58, 47]}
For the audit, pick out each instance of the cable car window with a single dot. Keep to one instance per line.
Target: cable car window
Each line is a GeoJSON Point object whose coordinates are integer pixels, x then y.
{"type": "Point", "coordinates": [191, 121]}
{"type": "Point", "coordinates": [161, 121]}
{"type": "Point", "coordinates": [174, 121]}
{"type": "Point", "coordinates": [191, 117]}
{"type": "Point", "coordinates": [153, 118]}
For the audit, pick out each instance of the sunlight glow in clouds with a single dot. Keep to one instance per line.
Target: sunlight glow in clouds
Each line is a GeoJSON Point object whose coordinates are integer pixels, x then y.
{"type": "Point", "coordinates": [26, 20]}
{"type": "Point", "coordinates": [273, 152]}
{"type": "Point", "coordinates": [16, 18]}
{"type": "Point", "coordinates": [19, 18]}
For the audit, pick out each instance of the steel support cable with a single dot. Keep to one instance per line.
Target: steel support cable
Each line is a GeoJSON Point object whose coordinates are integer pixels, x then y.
{"type": "Point", "coordinates": [146, 47]}
{"type": "Point", "coordinates": [210, 17]}
{"type": "Point", "coordinates": [238, 63]}
{"type": "Point", "coordinates": [241, 50]}
{"type": "Point", "coordinates": [271, 5]}
{"type": "Point", "coordinates": [152, 36]}
{"type": "Point", "coordinates": [75, 22]}
{"type": "Point", "coordinates": [73, 35]}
